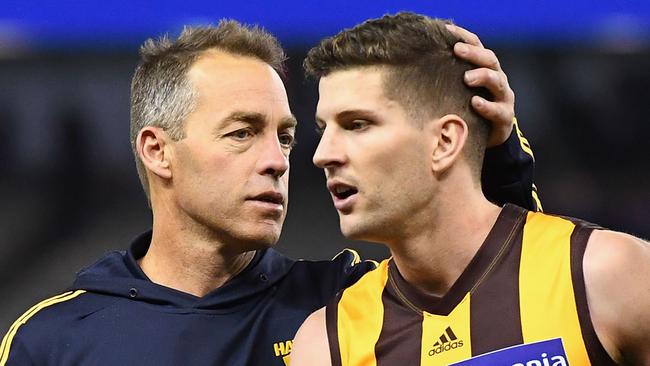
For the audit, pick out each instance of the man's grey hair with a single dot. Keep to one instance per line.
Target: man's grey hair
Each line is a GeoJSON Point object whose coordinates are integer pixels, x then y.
{"type": "Point", "coordinates": [162, 95]}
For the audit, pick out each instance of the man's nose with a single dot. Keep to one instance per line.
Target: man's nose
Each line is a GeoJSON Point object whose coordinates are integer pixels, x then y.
{"type": "Point", "coordinates": [275, 158]}
{"type": "Point", "coordinates": [329, 152]}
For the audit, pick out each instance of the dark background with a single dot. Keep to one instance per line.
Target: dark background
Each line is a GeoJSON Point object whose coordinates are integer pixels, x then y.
{"type": "Point", "coordinates": [69, 190]}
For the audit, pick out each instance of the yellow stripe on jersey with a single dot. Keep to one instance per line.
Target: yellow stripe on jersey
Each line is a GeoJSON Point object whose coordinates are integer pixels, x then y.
{"type": "Point", "coordinates": [523, 141]}
{"type": "Point", "coordinates": [5, 347]}
{"type": "Point", "coordinates": [433, 326]}
{"type": "Point", "coordinates": [547, 304]}
{"type": "Point", "coordinates": [362, 301]}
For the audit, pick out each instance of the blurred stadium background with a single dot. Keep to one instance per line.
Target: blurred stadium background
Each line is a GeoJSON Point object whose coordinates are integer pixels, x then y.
{"type": "Point", "coordinates": [69, 191]}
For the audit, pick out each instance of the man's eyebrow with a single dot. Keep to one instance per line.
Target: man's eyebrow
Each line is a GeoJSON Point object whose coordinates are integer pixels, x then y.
{"type": "Point", "coordinates": [289, 122]}
{"type": "Point", "coordinates": [253, 118]}
{"type": "Point", "coordinates": [356, 113]}
{"type": "Point", "coordinates": [350, 114]}
{"type": "Point", "coordinates": [256, 118]}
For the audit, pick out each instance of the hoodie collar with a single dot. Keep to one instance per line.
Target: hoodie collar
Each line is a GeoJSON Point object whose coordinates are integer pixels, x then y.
{"type": "Point", "coordinates": [119, 274]}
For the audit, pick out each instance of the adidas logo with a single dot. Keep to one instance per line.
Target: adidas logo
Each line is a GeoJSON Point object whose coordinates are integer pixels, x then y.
{"type": "Point", "coordinates": [446, 342]}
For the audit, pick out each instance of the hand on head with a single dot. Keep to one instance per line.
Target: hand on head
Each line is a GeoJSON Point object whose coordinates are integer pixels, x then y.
{"type": "Point", "coordinates": [488, 74]}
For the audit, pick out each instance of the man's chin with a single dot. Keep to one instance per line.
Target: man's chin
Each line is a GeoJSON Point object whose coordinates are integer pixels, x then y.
{"type": "Point", "coordinates": [259, 242]}
{"type": "Point", "coordinates": [258, 236]}
{"type": "Point", "coordinates": [352, 230]}
{"type": "Point", "coordinates": [362, 230]}
{"type": "Point", "coordinates": [268, 237]}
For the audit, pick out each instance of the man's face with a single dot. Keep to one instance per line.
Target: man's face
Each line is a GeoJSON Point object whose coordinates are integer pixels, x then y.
{"type": "Point", "coordinates": [230, 173]}
{"type": "Point", "coordinates": [377, 161]}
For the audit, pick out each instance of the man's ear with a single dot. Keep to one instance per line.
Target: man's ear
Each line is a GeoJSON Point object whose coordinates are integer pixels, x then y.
{"type": "Point", "coordinates": [150, 144]}
{"type": "Point", "coordinates": [451, 131]}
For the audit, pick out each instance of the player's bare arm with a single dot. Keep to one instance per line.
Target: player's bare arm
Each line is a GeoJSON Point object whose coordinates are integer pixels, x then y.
{"type": "Point", "coordinates": [488, 74]}
{"type": "Point", "coordinates": [617, 280]}
{"type": "Point", "coordinates": [311, 346]}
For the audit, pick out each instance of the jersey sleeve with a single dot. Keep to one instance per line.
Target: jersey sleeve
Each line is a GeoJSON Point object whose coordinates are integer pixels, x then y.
{"type": "Point", "coordinates": [509, 171]}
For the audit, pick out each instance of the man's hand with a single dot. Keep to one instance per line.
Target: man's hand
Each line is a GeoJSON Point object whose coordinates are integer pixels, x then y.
{"type": "Point", "coordinates": [489, 75]}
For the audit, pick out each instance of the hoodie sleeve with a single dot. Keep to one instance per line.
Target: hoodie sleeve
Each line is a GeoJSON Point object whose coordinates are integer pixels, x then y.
{"type": "Point", "coordinates": [509, 171]}
{"type": "Point", "coordinates": [14, 352]}
{"type": "Point", "coordinates": [352, 267]}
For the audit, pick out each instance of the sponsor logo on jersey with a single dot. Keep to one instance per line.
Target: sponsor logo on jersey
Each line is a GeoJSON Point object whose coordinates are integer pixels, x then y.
{"type": "Point", "coordinates": [545, 353]}
{"type": "Point", "coordinates": [283, 349]}
{"type": "Point", "coordinates": [446, 342]}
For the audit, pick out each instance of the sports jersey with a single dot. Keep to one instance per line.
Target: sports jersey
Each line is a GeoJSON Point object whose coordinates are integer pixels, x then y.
{"type": "Point", "coordinates": [520, 301]}
{"type": "Point", "coordinates": [114, 315]}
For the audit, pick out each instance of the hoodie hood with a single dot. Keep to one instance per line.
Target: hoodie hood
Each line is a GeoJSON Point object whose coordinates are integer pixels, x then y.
{"type": "Point", "coordinates": [118, 274]}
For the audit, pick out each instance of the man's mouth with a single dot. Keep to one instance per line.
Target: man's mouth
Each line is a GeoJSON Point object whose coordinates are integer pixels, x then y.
{"type": "Point", "coordinates": [271, 203]}
{"type": "Point", "coordinates": [343, 194]}
{"type": "Point", "coordinates": [343, 191]}
{"type": "Point", "coordinates": [269, 197]}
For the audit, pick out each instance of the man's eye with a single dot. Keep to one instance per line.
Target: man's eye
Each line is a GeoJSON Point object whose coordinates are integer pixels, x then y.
{"type": "Point", "coordinates": [320, 130]}
{"type": "Point", "coordinates": [242, 134]}
{"type": "Point", "coordinates": [287, 140]}
{"type": "Point", "coordinates": [359, 124]}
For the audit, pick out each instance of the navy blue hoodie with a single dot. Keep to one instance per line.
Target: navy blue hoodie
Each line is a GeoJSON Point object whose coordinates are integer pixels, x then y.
{"type": "Point", "coordinates": [114, 315]}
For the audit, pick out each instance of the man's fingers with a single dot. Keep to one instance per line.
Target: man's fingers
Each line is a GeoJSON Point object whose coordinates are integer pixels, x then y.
{"type": "Point", "coordinates": [494, 81]}
{"type": "Point", "coordinates": [498, 115]}
{"type": "Point", "coordinates": [477, 55]}
{"type": "Point", "coordinates": [488, 110]}
{"type": "Point", "coordinates": [465, 35]}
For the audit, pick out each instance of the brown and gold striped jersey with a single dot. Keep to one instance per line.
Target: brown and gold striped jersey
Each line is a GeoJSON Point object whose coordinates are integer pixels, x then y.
{"type": "Point", "coordinates": [521, 301]}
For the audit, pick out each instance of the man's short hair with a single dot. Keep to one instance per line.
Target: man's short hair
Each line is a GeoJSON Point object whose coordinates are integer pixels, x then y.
{"type": "Point", "coordinates": [162, 95]}
{"type": "Point", "coordinates": [421, 71]}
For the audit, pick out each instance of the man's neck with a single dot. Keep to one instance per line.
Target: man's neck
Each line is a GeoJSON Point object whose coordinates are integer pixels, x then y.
{"type": "Point", "coordinates": [433, 257]}
{"type": "Point", "coordinates": [190, 262]}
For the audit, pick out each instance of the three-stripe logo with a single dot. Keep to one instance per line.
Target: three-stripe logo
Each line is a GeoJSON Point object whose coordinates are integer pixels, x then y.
{"type": "Point", "coordinates": [447, 341]}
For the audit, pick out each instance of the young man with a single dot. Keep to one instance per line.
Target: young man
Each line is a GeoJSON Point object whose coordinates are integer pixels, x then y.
{"type": "Point", "coordinates": [469, 282]}
{"type": "Point", "coordinates": [212, 131]}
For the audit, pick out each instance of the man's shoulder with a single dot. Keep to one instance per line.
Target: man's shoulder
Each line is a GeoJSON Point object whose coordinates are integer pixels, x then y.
{"type": "Point", "coordinates": [57, 312]}
{"type": "Point", "coordinates": [616, 270]}
{"type": "Point", "coordinates": [38, 328]}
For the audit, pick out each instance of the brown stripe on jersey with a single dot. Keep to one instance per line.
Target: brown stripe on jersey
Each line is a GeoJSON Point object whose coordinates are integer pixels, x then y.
{"type": "Point", "coordinates": [331, 323]}
{"type": "Point", "coordinates": [408, 294]}
{"type": "Point", "coordinates": [400, 339]}
{"type": "Point", "coordinates": [494, 306]}
{"type": "Point", "coordinates": [579, 238]}
{"type": "Point", "coordinates": [484, 261]}
{"type": "Point", "coordinates": [486, 258]}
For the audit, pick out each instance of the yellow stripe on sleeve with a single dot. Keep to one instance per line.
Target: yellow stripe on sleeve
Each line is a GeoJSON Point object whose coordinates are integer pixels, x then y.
{"type": "Point", "coordinates": [28, 313]}
{"type": "Point", "coordinates": [356, 258]}
{"type": "Point", "coordinates": [523, 141]}
{"type": "Point", "coordinates": [5, 347]}
{"type": "Point", "coordinates": [538, 202]}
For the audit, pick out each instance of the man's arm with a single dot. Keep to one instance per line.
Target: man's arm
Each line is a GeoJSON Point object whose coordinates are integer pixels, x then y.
{"type": "Point", "coordinates": [508, 167]}
{"type": "Point", "coordinates": [311, 345]}
{"type": "Point", "coordinates": [14, 352]}
{"type": "Point", "coordinates": [617, 279]}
